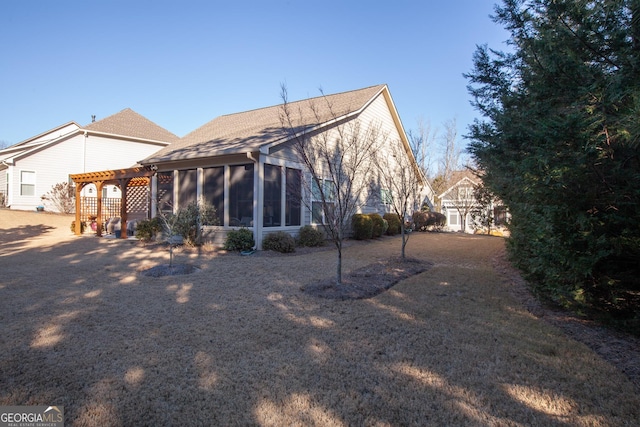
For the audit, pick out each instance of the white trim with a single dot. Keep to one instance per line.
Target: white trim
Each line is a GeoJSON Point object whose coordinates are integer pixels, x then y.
{"type": "Point", "coordinates": [21, 183]}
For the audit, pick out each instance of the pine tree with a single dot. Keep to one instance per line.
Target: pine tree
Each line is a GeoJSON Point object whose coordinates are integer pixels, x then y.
{"type": "Point", "coordinates": [559, 146]}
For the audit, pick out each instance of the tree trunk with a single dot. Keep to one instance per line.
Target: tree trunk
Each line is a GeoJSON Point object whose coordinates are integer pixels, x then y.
{"type": "Point", "coordinates": [403, 231]}
{"type": "Point", "coordinates": [339, 266]}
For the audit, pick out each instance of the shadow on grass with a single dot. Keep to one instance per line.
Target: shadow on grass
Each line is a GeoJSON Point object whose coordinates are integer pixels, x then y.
{"type": "Point", "coordinates": [238, 343]}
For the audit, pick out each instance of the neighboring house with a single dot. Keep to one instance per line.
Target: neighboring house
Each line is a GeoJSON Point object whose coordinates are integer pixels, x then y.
{"type": "Point", "coordinates": [244, 165]}
{"type": "Point", "coordinates": [458, 203]}
{"type": "Point", "coordinates": [30, 168]}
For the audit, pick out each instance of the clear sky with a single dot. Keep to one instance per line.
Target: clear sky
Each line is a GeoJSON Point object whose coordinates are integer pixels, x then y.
{"type": "Point", "coordinates": [181, 63]}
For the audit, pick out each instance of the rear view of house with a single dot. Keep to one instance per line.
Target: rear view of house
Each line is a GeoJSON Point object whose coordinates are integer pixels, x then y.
{"type": "Point", "coordinates": [244, 164]}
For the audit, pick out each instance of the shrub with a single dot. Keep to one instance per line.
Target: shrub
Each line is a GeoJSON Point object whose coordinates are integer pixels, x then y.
{"type": "Point", "coordinates": [147, 229]}
{"type": "Point", "coordinates": [424, 220]}
{"type": "Point", "coordinates": [362, 226]}
{"type": "Point", "coordinates": [394, 223]}
{"type": "Point", "coordinates": [310, 236]}
{"type": "Point", "coordinates": [187, 221]}
{"type": "Point", "coordinates": [279, 242]}
{"type": "Point", "coordinates": [239, 240]}
{"type": "Point", "coordinates": [62, 197]}
{"type": "Point", "coordinates": [378, 225]}
{"type": "Point", "coordinates": [82, 226]}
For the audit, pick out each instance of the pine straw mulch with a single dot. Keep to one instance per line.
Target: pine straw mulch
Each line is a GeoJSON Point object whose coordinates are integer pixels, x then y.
{"type": "Point", "coordinates": [620, 349]}
{"type": "Point", "coordinates": [368, 281]}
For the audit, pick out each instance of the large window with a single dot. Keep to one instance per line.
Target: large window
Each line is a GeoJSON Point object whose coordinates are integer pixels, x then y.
{"type": "Point", "coordinates": [213, 191]}
{"type": "Point", "coordinates": [27, 183]}
{"type": "Point", "coordinates": [385, 196]}
{"type": "Point", "coordinates": [272, 196]}
{"type": "Point", "coordinates": [241, 195]}
{"type": "Point", "coordinates": [293, 197]}
{"type": "Point", "coordinates": [318, 215]}
{"type": "Point", "coordinates": [187, 182]}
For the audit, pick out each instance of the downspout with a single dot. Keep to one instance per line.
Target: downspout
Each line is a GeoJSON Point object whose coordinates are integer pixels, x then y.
{"type": "Point", "coordinates": [84, 152]}
{"type": "Point", "coordinates": [258, 198]}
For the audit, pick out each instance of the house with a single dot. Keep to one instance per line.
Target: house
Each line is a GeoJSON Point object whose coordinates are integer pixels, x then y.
{"type": "Point", "coordinates": [244, 164]}
{"type": "Point", "coordinates": [30, 168]}
{"type": "Point", "coordinates": [460, 206]}
{"type": "Point", "coordinates": [458, 201]}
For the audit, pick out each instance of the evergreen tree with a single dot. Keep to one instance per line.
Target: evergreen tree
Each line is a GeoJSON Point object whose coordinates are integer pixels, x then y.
{"type": "Point", "coordinates": [559, 146]}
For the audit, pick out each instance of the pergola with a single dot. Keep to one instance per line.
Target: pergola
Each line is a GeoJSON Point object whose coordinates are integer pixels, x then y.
{"type": "Point", "coordinates": [123, 178]}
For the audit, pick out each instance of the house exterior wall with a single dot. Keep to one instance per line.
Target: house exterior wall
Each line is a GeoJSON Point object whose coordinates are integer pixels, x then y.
{"type": "Point", "coordinates": [74, 153]}
{"type": "Point", "coordinates": [377, 114]}
{"type": "Point", "coordinates": [3, 186]}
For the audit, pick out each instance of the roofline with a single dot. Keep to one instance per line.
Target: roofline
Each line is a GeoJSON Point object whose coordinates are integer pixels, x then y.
{"type": "Point", "coordinates": [72, 122]}
{"type": "Point", "coordinates": [456, 183]}
{"type": "Point", "coordinates": [133, 138]}
{"type": "Point", "coordinates": [86, 132]}
{"type": "Point", "coordinates": [264, 149]}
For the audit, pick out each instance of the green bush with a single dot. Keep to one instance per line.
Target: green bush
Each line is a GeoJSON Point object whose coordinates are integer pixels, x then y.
{"type": "Point", "coordinates": [378, 225]}
{"type": "Point", "coordinates": [239, 240]}
{"type": "Point", "coordinates": [73, 226]}
{"type": "Point", "coordinates": [279, 242]}
{"type": "Point", "coordinates": [191, 218]}
{"type": "Point", "coordinates": [310, 236]}
{"type": "Point", "coordinates": [424, 220]}
{"type": "Point", "coordinates": [362, 227]}
{"type": "Point", "coordinates": [394, 223]}
{"type": "Point", "coordinates": [147, 229]}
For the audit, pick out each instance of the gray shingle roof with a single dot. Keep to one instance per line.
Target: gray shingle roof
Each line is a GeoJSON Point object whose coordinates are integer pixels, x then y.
{"type": "Point", "coordinates": [129, 123]}
{"type": "Point", "coordinates": [250, 130]}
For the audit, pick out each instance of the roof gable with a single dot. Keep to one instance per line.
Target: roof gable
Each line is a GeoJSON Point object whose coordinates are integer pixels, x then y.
{"type": "Point", "coordinates": [250, 130]}
{"type": "Point", "coordinates": [129, 123]}
{"type": "Point", "coordinates": [457, 178]}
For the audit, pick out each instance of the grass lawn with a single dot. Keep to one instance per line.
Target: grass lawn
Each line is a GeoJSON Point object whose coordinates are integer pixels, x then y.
{"type": "Point", "coordinates": [238, 342]}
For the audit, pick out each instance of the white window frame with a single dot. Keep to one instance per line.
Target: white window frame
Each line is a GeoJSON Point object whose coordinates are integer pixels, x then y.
{"type": "Point", "coordinates": [31, 184]}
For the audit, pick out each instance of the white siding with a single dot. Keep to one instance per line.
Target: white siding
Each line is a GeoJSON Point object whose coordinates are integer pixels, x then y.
{"type": "Point", "coordinates": [72, 155]}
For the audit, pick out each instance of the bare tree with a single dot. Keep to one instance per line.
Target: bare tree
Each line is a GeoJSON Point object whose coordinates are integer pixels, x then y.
{"type": "Point", "coordinates": [483, 211]}
{"type": "Point", "coordinates": [422, 142]}
{"type": "Point", "coordinates": [463, 198]}
{"type": "Point", "coordinates": [450, 160]}
{"type": "Point", "coordinates": [402, 180]}
{"type": "Point", "coordinates": [338, 160]}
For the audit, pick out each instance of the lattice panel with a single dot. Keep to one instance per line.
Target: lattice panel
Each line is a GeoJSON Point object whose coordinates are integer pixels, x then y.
{"type": "Point", "coordinates": [138, 202]}
{"type": "Point", "coordinates": [110, 208]}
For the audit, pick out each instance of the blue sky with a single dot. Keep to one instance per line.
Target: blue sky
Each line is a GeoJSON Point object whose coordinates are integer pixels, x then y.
{"type": "Point", "coordinates": [183, 63]}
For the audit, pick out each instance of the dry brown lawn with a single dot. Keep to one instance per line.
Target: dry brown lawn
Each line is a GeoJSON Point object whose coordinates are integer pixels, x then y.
{"type": "Point", "coordinates": [238, 342]}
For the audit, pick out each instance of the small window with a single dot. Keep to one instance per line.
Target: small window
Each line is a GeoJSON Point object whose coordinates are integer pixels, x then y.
{"type": "Point", "coordinates": [27, 183]}
{"type": "Point", "coordinates": [453, 218]}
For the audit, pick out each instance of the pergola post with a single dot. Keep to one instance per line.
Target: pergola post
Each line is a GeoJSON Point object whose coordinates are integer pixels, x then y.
{"type": "Point", "coordinates": [78, 226]}
{"type": "Point", "coordinates": [99, 186]}
{"type": "Point", "coordinates": [124, 183]}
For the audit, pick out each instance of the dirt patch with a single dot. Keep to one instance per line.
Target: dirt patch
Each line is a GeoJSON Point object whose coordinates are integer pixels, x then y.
{"type": "Point", "coordinates": [169, 270]}
{"type": "Point", "coordinates": [368, 281]}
